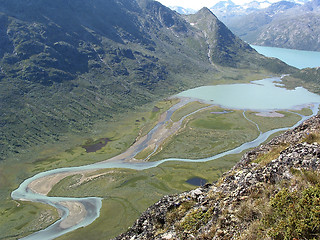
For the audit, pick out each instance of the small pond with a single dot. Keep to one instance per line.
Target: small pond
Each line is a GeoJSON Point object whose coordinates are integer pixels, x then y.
{"type": "Point", "coordinates": [197, 181]}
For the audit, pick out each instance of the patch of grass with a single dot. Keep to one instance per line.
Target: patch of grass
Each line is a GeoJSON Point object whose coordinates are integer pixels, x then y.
{"type": "Point", "coordinates": [209, 124]}
{"type": "Point", "coordinates": [187, 109]}
{"type": "Point", "coordinates": [144, 153]}
{"type": "Point", "coordinates": [269, 123]}
{"type": "Point", "coordinates": [194, 220]}
{"type": "Point", "coordinates": [206, 134]}
{"type": "Point", "coordinates": [304, 111]}
{"type": "Point", "coordinates": [312, 177]}
{"type": "Point", "coordinates": [312, 138]}
{"type": "Point", "coordinates": [122, 133]}
{"type": "Point", "coordinates": [23, 218]}
{"type": "Point", "coordinates": [176, 214]}
{"type": "Point", "coordinates": [266, 158]}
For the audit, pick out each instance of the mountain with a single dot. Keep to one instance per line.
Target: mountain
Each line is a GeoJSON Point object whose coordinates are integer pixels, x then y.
{"type": "Point", "coordinates": [309, 78]}
{"type": "Point", "coordinates": [283, 24]}
{"type": "Point", "coordinates": [226, 10]}
{"type": "Point", "coordinates": [225, 49]}
{"type": "Point", "coordinates": [67, 64]}
{"type": "Point", "coordinates": [272, 193]}
{"type": "Point", "coordinates": [182, 10]}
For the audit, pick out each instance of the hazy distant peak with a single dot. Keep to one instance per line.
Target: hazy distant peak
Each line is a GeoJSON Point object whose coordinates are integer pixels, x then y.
{"type": "Point", "coordinates": [224, 4]}
{"type": "Point", "coordinates": [205, 11]}
{"type": "Point", "coordinates": [312, 5]}
{"type": "Point", "coordinates": [182, 10]}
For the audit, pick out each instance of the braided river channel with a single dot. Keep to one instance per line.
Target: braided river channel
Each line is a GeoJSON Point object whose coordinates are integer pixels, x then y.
{"type": "Point", "coordinates": [263, 96]}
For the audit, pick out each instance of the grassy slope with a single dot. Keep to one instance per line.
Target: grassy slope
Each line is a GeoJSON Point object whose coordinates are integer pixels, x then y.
{"type": "Point", "coordinates": [308, 77]}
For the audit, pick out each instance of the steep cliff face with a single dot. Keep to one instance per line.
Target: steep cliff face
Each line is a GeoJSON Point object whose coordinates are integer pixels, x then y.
{"type": "Point", "coordinates": [273, 192]}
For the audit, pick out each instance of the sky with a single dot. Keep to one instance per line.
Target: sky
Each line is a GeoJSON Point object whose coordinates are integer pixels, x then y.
{"type": "Point", "coordinates": [198, 4]}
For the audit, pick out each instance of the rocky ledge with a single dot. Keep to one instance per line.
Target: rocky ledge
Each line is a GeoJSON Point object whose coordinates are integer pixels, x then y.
{"type": "Point", "coordinates": [272, 193]}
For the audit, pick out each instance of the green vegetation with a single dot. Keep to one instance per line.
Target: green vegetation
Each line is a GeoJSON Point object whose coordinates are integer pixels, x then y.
{"type": "Point", "coordinates": [274, 153]}
{"type": "Point", "coordinates": [206, 134]}
{"type": "Point", "coordinates": [286, 210]}
{"type": "Point", "coordinates": [308, 78]}
{"type": "Point", "coordinates": [123, 133]}
{"type": "Point", "coordinates": [145, 153]}
{"type": "Point", "coordinates": [176, 214]}
{"type": "Point", "coordinates": [295, 214]}
{"type": "Point", "coordinates": [187, 109]}
{"type": "Point", "coordinates": [304, 111]}
{"type": "Point", "coordinates": [20, 218]}
{"type": "Point", "coordinates": [194, 220]}
{"type": "Point", "coordinates": [269, 123]}
{"type": "Point", "coordinates": [312, 137]}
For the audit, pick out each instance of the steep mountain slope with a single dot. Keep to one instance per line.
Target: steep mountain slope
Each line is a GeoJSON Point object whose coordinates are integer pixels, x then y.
{"type": "Point", "coordinates": [67, 64]}
{"type": "Point", "coordinates": [225, 49]}
{"type": "Point", "coordinates": [283, 24]}
{"type": "Point", "coordinates": [297, 33]}
{"type": "Point", "coordinates": [272, 193]}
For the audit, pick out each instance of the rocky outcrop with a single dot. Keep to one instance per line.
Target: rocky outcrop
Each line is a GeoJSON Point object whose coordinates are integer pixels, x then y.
{"type": "Point", "coordinates": [232, 207]}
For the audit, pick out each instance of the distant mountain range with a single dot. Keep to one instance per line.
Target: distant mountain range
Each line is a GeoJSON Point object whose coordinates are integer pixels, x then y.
{"type": "Point", "coordinates": [284, 24]}
{"type": "Point", "coordinates": [65, 64]}
{"type": "Point", "coordinates": [287, 24]}
{"type": "Point", "coordinates": [182, 10]}
{"type": "Point", "coordinates": [223, 9]}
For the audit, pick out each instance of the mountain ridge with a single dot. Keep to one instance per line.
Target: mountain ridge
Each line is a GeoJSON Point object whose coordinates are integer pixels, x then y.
{"type": "Point", "coordinates": [283, 24]}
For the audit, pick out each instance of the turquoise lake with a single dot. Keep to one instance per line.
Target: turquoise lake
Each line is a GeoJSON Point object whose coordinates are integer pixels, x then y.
{"type": "Point", "coordinates": [261, 95]}
{"type": "Point", "coordinates": [297, 58]}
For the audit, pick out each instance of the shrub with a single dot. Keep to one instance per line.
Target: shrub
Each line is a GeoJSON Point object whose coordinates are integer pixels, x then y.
{"type": "Point", "coordinates": [295, 214]}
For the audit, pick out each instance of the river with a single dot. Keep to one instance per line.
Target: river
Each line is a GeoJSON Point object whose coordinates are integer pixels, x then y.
{"type": "Point", "coordinates": [90, 207]}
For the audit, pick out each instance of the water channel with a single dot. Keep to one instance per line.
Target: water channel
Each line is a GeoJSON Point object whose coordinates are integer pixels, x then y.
{"type": "Point", "coordinates": [262, 95]}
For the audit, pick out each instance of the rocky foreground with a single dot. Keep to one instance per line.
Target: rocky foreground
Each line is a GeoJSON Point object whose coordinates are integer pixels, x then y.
{"type": "Point", "coordinates": [272, 193]}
